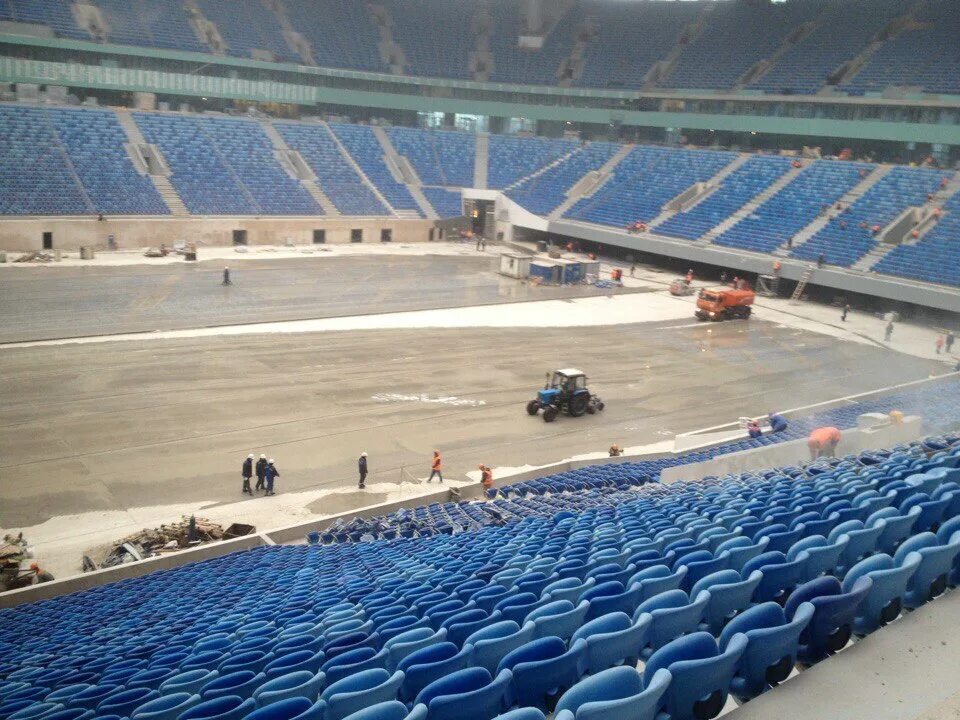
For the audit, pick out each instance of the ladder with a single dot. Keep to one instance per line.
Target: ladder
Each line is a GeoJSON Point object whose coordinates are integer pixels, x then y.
{"type": "Point", "coordinates": [802, 285]}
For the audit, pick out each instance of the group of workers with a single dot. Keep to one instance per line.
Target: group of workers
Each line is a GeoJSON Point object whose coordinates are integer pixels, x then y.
{"type": "Point", "coordinates": [822, 442]}
{"type": "Point", "coordinates": [265, 470]}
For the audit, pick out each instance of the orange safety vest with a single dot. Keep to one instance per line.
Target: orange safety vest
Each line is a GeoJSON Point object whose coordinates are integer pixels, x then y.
{"type": "Point", "coordinates": [823, 436]}
{"type": "Point", "coordinates": [436, 463]}
{"type": "Point", "coordinates": [486, 478]}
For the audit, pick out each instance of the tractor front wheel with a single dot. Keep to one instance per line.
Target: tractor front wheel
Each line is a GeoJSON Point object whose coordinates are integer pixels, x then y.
{"type": "Point", "coordinates": [578, 405]}
{"type": "Point", "coordinates": [550, 414]}
{"type": "Point", "coordinates": [533, 407]}
{"type": "Point", "coordinates": [600, 406]}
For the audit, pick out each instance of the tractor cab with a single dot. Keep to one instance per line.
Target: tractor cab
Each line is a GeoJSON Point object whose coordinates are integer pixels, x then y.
{"type": "Point", "coordinates": [564, 390]}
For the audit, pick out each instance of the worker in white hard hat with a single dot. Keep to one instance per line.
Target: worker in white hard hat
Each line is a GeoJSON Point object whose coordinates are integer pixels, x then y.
{"type": "Point", "coordinates": [247, 473]}
{"type": "Point", "coordinates": [362, 467]}
{"type": "Point", "coordinates": [271, 475]}
{"type": "Point", "coordinates": [261, 469]}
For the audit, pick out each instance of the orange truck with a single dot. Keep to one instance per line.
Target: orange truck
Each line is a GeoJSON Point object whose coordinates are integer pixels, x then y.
{"type": "Point", "coordinates": [724, 304]}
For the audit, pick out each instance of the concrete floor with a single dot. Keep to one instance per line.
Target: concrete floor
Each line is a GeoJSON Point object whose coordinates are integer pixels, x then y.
{"type": "Point", "coordinates": [115, 426]}
{"type": "Point", "coordinates": [53, 302]}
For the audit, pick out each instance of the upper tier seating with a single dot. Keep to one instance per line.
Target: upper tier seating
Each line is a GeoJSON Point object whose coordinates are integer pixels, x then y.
{"type": "Point", "coordinates": [734, 38]}
{"type": "Point", "coordinates": [805, 68]}
{"type": "Point", "coordinates": [448, 203]}
{"type": "Point", "coordinates": [512, 158]}
{"type": "Point", "coordinates": [335, 175]}
{"type": "Point", "coordinates": [340, 33]}
{"type": "Point", "coordinates": [901, 188]}
{"type": "Point", "coordinates": [247, 25]}
{"type": "Point", "coordinates": [94, 142]}
{"type": "Point", "coordinates": [34, 177]}
{"type": "Point", "coordinates": [935, 257]}
{"type": "Point", "coordinates": [739, 187]}
{"type": "Point", "coordinates": [543, 193]}
{"type": "Point", "coordinates": [55, 14]}
{"type": "Point", "coordinates": [630, 38]}
{"type": "Point", "coordinates": [781, 217]}
{"type": "Point", "coordinates": [644, 181]}
{"type": "Point", "coordinates": [157, 23]}
{"type": "Point", "coordinates": [923, 55]}
{"type": "Point", "coordinates": [440, 157]}
{"type": "Point", "coordinates": [225, 166]}
{"type": "Point", "coordinates": [512, 64]}
{"type": "Point", "coordinates": [435, 35]}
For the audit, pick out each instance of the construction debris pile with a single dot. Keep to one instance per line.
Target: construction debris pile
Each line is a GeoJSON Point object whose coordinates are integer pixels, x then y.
{"type": "Point", "coordinates": [13, 551]}
{"type": "Point", "coordinates": [166, 538]}
{"type": "Point", "coordinates": [36, 257]}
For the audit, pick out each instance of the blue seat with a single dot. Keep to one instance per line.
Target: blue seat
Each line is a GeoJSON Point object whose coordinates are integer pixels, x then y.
{"type": "Point", "coordinates": [240, 682]}
{"type": "Point", "coordinates": [931, 510]}
{"type": "Point", "coordinates": [345, 664]}
{"type": "Point", "coordinates": [834, 613]}
{"type": "Point", "coordinates": [897, 527]}
{"type": "Point", "coordinates": [729, 595]}
{"type": "Point", "coordinates": [772, 645]}
{"type": "Point", "coordinates": [932, 577]}
{"type": "Point", "coordinates": [431, 663]}
{"type": "Point", "coordinates": [571, 589]}
{"type": "Point", "coordinates": [516, 607]}
{"type": "Point", "coordinates": [611, 597]}
{"type": "Point", "coordinates": [862, 542]}
{"type": "Point", "coordinates": [520, 714]}
{"type": "Point", "coordinates": [822, 556]}
{"type": "Point", "coordinates": [672, 614]}
{"type": "Point", "coordinates": [780, 576]}
{"type": "Point", "coordinates": [741, 549]}
{"type": "Point", "coordinates": [390, 710]}
{"type": "Point", "coordinates": [295, 708]}
{"type": "Point", "coordinates": [701, 674]}
{"type": "Point", "coordinates": [558, 618]}
{"type": "Point", "coordinates": [292, 662]}
{"type": "Point", "coordinates": [460, 626]}
{"type": "Point", "coordinates": [613, 694]}
{"type": "Point", "coordinates": [165, 707]}
{"type": "Point", "coordinates": [296, 684]}
{"type": "Point", "coordinates": [493, 642]}
{"type": "Point", "coordinates": [543, 670]}
{"type": "Point", "coordinates": [229, 707]}
{"type": "Point", "coordinates": [358, 691]}
{"type": "Point", "coordinates": [125, 701]}
{"type": "Point", "coordinates": [885, 601]}
{"type": "Point", "coordinates": [699, 564]}
{"type": "Point", "coordinates": [945, 534]}
{"type": "Point", "coordinates": [613, 640]}
{"type": "Point", "coordinates": [471, 694]}
{"type": "Point", "coordinates": [657, 579]}
{"type": "Point", "coordinates": [189, 682]}
{"type": "Point", "coordinates": [399, 646]}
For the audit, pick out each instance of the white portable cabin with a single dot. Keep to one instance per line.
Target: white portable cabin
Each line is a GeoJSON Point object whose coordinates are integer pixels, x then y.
{"type": "Point", "coordinates": [515, 265]}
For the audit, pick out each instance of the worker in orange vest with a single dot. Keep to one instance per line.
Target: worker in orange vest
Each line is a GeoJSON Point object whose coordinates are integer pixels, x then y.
{"type": "Point", "coordinates": [436, 466]}
{"type": "Point", "coordinates": [823, 442]}
{"type": "Point", "coordinates": [486, 478]}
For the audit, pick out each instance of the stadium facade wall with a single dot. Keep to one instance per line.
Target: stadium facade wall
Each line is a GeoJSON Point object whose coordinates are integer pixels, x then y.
{"type": "Point", "coordinates": [70, 233]}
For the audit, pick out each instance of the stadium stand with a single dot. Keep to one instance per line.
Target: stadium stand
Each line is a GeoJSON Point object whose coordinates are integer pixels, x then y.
{"type": "Point", "coordinates": [435, 36]}
{"type": "Point", "coordinates": [341, 34]}
{"type": "Point", "coordinates": [844, 244]}
{"type": "Point", "coordinates": [94, 142]}
{"type": "Point", "coordinates": [448, 203]}
{"type": "Point", "coordinates": [743, 184]}
{"type": "Point", "coordinates": [247, 25]}
{"type": "Point", "coordinates": [545, 192]}
{"type": "Point", "coordinates": [644, 181]}
{"type": "Point", "coordinates": [814, 190]}
{"type": "Point", "coordinates": [55, 14]}
{"type": "Point", "coordinates": [734, 38]}
{"type": "Point", "coordinates": [363, 146]}
{"type": "Point", "coordinates": [157, 23]}
{"type": "Point", "coordinates": [935, 257]}
{"type": "Point", "coordinates": [806, 67]}
{"type": "Point", "coordinates": [512, 158]}
{"type": "Point", "coordinates": [440, 157]}
{"type": "Point", "coordinates": [28, 140]}
{"type": "Point", "coordinates": [336, 177]}
{"type": "Point", "coordinates": [924, 55]}
{"type": "Point", "coordinates": [513, 64]}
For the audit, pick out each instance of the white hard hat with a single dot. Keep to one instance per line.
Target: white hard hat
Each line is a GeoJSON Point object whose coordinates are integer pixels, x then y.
{"type": "Point", "coordinates": [263, 457]}
{"type": "Point", "coordinates": [250, 456]}
{"type": "Point", "coordinates": [363, 454]}
{"type": "Point", "coordinates": [270, 461]}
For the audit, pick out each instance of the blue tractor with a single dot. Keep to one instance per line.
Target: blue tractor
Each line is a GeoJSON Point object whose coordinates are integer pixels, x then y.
{"type": "Point", "coordinates": [565, 390]}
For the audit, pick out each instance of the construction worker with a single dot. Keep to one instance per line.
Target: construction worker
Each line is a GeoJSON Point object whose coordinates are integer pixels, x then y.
{"type": "Point", "coordinates": [486, 479]}
{"type": "Point", "coordinates": [247, 472]}
{"type": "Point", "coordinates": [778, 423]}
{"type": "Point", "coordinates": [888, 331]}
{"type": "Point", "coordinates": [42, 575]}
{"type": "Point", "coordinates": [261, 470]}
{"type": "Point", "coordinates": [616, 450]}
{"type": "Point", "coordinates": [823, 442]}
{"type": "Point", "coordinates": [362, 468]}
{"type": "Point", "coordinates": [949, 340]}
{"type": "Point", "coordinates": [436, 466]}
{"type": "Point", "coordinates": [226, 276]}
{"type": "Point", "coordinates": [270, 475]}
{"type": "Point", "coordinates": [689, 277]}
{"type": "Point", "coordinates": [753, 429]}
{"type": "Point", "coordinates": [846, 311]}
{"type": "Point", "coordinates": [940, 342]}
{"type": "Point", "coordinates": [776, 268]}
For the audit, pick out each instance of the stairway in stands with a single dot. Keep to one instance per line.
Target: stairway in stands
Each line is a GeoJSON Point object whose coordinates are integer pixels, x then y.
{"type": "Point", "coordinates": [359, 170]}
{"type": "Point", "coordinates": [405, 173]}
{"type": "Point", "coordinates": [483, 157]}
{"type": "Point", "coordinates": [160, 179]}
{"type": "Point", "coordinates": [300, 168]}
{"type": "Point", "coordinates": [591, 182]}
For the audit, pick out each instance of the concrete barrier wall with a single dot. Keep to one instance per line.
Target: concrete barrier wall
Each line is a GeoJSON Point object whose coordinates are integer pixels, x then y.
{"type": "Point", "coordinates": [132, 232]}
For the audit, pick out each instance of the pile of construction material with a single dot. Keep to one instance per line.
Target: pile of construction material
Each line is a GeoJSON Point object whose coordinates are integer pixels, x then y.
{"type": "Point", "coordinates": [36, 257]}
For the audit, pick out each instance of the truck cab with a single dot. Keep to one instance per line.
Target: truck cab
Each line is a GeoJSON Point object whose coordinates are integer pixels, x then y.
{"type": "Point", "coordinates": [724, 304]}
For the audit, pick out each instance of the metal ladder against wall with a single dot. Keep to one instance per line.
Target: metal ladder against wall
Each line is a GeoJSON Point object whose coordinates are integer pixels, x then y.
{"type": "Point", "coordinates": [802, 284]}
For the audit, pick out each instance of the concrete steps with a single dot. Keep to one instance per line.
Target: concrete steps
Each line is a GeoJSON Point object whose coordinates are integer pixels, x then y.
{"type": "Point", "coordinates": [591, 182]}
{"type": "Point", "coordinates": [793, 38]}
{"type": "Point", "coordinates": [69, 163]}
{"type": "Point", "coordinates": [662, 69]}
{"type": "Point", "coordinates": [537, 173]}
{"type": "Point", "coordinates": [481, 160]}
{"type": "Point", "coordinates": [750, 206]}
{"type": "Point", "coordinates": [890, 31]}
{"type": "Point", "coordinates": [404, 172]}
{"type": "Point", "coordinates": [300, 169]}
{"type": "Point", "coordinates": [359, 170]}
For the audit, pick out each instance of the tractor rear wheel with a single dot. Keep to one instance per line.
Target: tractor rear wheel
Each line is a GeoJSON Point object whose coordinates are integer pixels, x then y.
{"type": "Point", "coordinates": [591, 409]}
{"type": "Point", "coordinates": [600, 406]}
{"type": "Point", "coordinates": [533, 407]}
{"type": "Point", "coordinates": [550, 414]}
{"type": "Point", "coordinates": [578, 405]}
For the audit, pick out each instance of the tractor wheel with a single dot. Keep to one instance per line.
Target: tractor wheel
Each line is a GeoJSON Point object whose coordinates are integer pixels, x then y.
{"type": "Point", "coordinates": [600, 406]}
{"type": "Point", "coordinates": [746, 312]}
{"type": "Point", "coordinates": [578, 405]}
{"type": "Point", "coordinates": [591, 409]}
{"type": "Point", "coordinates": [550, 414]}
{"type": "Point", "coordinates": [533, 407]}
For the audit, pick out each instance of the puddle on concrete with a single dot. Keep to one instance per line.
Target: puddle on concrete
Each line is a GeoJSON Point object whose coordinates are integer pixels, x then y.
{"type": "Point", "coordinates": [344, 502]}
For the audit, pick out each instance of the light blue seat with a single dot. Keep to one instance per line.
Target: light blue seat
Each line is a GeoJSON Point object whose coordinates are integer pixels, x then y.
{"type": "Point", "coordinates": [571, 589]}
{"type": "Point", "coordinates": [543, 670]}
{"type": "Point", "coordinates": [241, 683]}
{"type": "Point", "coordinates": [822, 556]}
{"type": "Point", "coordinates": [471, 694]}
{"type": "Point", "coordinates": [673, 614]}
{"type": "Point", "coordinates": [292, 662]}
{"type": "Point", "coordinates": [611, 597]}
{"type": "Point", "coordinates": [463, 624]}
{"type": "Point", "coordinates": [945, 535]}
{"type": "Point", "coordinates": [835, 610]}
{"type": "Point", "coordinates": [492, 643]}
{"type": "Point", "coordinates": [296, 684]}
{"type": "Point", "coordinates": [390, 710]}
{"type": "Point", "coordinates": [780, 576]}
{"type": "Point", "coordinates": [165, 707]}
{"type": "Point", "coordinates": [399, 646]}
{"type": "Point", "coordinates": [358, 691]}
{"type": "Point", "coordinates": [931, 510]}
{"type": "Point", "coordinates": [657, 579]}
{"type": "Point", "coordinates": [932, 577]}
{"type": "Point", "coordinates": [885, 601]}
{"type": "Point", "coordinates": [558, 618]}
{"type": "Point", "coordinates": [741, 549]}
{"type": "Point", "coordinates": [431, 663]}
{"type": "Point", "coordinates": [701, 675]}
{"type": "Point", "coordinates": [614, 694]}
{"type": "Point", "coordinates": [612, 640]}
{"type": "Point", "coordinates": [516, 607]}
{"type": "Point", "coordinates": [729, 595]}
{"type": "Point", "coordinates": [228, 707]}
{"type": "Point", "coordinates": [772, 643]}
{"type": "Point", "coordinates": [125, 701]}
{"type": "Point", "coordinates": [295, 708]}
{"type": "Point", "coordinates": [897, 527]}
{"type": "Point", "coordinates": [341, 666]}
